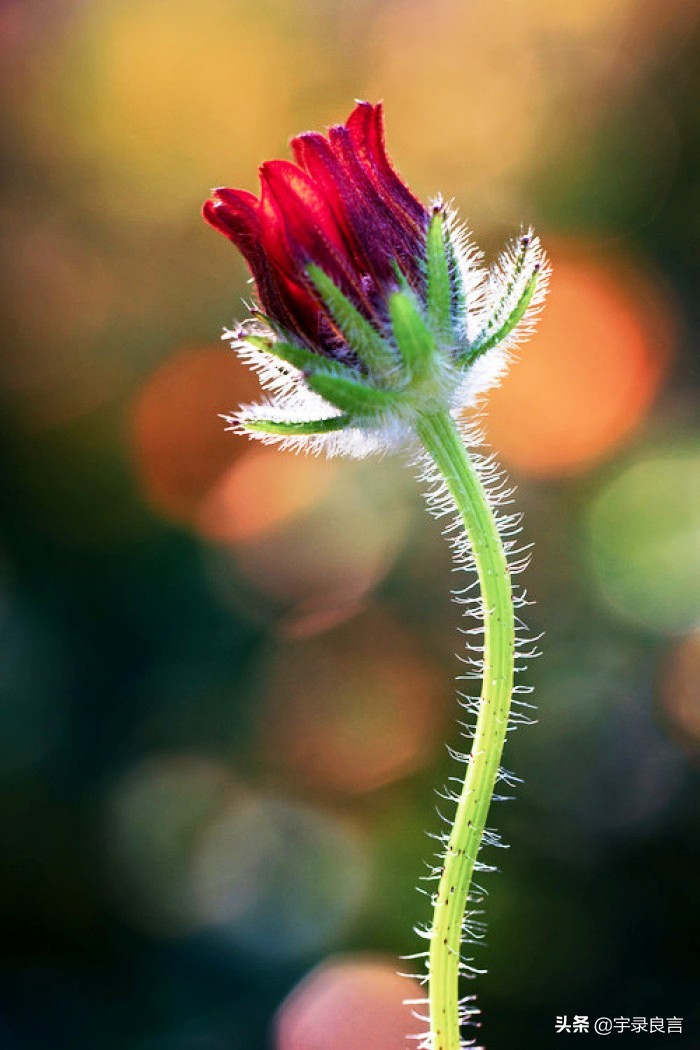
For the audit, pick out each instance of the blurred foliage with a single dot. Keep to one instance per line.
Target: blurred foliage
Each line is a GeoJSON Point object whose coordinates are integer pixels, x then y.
{"type": "Point", "coordinates": [226, 675]}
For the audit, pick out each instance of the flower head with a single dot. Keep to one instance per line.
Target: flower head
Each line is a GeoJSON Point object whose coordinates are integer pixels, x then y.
{"type": "Point", "coordinates": [374, 308]}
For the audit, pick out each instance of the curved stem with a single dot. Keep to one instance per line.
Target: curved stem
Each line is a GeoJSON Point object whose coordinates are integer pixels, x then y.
{"type": "Point", "coordinates": [442, 441]}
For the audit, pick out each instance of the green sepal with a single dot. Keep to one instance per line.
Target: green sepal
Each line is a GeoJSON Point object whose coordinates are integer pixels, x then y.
{"type": "Point", "coordinates": [511, 322]}
{"type": "Point", "coordinates": [350, 395]}
{"type": "Point", "coordinates": [300, 428]}
{"type": "Point", "coordinates": [459, 295]}
{"type": "Point", "coordinates": [300, 357]}
{"type": "Point", "coordinates": [401, 277]}
{"type": "Point", "coordinates": [362, 338]}
{"type": "Point", "coordinates": [413, 337]}
{"type": "Point", "coordinates": [439, 291]}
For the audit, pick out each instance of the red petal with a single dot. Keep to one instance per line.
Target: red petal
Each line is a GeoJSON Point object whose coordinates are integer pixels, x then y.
{"type": "Point", "coordinates": [366, 126]}
{"type": "Point", "coordinates": [314, 154]}
{"type": "Point", "coordinates": [298, 225]}
{"type": "Point", "coordinates": [305, 208]}
{"type": "Point", "coordinates": [237, 214]}
{"type": "Point", "coordinates": [387, 235]}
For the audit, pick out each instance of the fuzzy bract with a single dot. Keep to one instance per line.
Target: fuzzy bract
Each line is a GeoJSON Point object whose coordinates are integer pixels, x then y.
{"type": "Point", "coordinates": [373, 310]}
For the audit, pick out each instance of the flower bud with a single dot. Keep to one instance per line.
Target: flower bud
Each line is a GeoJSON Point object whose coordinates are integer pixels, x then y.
{"type": "Point", "coordinates": [372, 308]}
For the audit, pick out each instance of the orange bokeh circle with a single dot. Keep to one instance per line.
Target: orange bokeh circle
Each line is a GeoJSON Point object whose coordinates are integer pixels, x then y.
{"type": "Point", "coordinates": [589, 375]}
{"type": "Point", "coordinates": [180, 441]}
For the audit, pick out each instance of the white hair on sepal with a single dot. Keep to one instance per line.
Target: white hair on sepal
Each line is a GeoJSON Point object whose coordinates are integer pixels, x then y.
{"type": "Point", "coordinates": [483, 375]}
{"type": "Point", "coordinates": [292, 401]}
{"type": "Point", "coordinates": [471, 271]}
{"type": "Point", "coordinates": [505, 286]}
{"type": "Point", "coordinates": [390, 433]}
{"type": "Point", "coordinates": [275, 375]}
{"type": "Point", "coordinates": [538, 262]}
{"type": "Point", "coordinates": [499, 297]}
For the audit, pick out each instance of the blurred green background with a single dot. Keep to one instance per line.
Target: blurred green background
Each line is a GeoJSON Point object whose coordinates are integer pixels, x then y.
{"type": "Point", "coordinates": [227, 675]}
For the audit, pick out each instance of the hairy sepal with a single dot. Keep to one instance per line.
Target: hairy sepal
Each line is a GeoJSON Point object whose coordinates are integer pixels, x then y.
{"type": "Point", "coordinates": [299, 357]}
{"type": "Point", "coordinates": [353, 397]}
{"type": "Point", "coordinates": [373, 351]}
{"type": "Point", "coordinates": [413, 337]}
{"type": "Point", "coordinates": [438, 281]}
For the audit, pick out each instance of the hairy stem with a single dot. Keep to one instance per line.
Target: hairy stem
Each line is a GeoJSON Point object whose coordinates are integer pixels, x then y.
{"type": "Point", "coordinates": [442, 441]}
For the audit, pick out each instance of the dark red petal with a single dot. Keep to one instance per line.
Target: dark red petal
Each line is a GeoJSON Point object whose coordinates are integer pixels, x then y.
{"type": "Point", "coordinates": [380, 224]}
{"type": "Point", "coordinates": [314, 154]}
{"type": "Point", "coordinates": [243, 199]}
{"type": "Point", "coordinates": [366, 127]}
{"type": "Point", "coordinates": [298, 226]}
{"type": "Point", "coordinates": [236, 214]}
{"type": "Point", "coordinates": [385, 232]}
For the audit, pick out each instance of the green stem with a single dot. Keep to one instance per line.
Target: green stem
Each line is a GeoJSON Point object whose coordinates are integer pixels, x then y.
{"type": "Point", "coordinates": [441, 439]}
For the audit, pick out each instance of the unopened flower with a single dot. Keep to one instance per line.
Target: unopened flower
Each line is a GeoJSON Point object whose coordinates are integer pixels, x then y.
{"type": "Point", "coordinates": [376, 324]}
{"type": "Point", "coordinates": [374, 310]}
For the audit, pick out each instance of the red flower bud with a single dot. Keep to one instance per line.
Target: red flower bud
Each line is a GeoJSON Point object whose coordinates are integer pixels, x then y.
{"type": "Point", "coordinates": [342, 207]}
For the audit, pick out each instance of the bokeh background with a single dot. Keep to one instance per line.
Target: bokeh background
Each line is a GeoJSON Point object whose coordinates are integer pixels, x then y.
{"type": "Point", "coordinates": [227, 674]}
